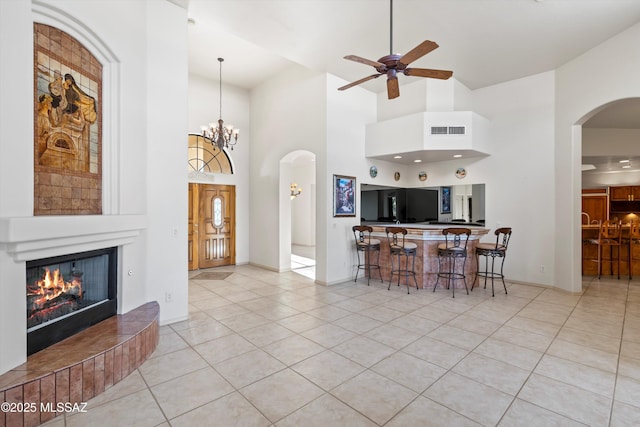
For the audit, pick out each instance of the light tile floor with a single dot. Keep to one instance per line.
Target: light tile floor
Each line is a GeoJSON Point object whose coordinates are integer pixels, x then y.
{"type": "Point", "coordinates": [303, 260]}
{"type": "Point", "coordinates": [268, 349]}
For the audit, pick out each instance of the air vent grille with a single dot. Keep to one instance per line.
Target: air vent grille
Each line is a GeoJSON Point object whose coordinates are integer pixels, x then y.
{"type": "Point", "coordinates": [439, 130]}
{"type": "Point", "coordinates": [448, 130]}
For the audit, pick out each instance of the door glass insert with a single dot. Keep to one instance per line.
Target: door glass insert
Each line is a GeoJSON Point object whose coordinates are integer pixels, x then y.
{"type": "Point", "coordinates": [217, 212]}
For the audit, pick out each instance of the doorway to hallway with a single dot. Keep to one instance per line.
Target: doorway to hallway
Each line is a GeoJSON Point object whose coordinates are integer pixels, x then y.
{"type": "Point", "coordinates": [303, 260]}
{"type": "Point", "coordinates": [298, 213]}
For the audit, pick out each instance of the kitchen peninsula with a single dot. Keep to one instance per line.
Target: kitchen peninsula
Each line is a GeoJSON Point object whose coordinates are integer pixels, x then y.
{"type": "Point", "coordinates": [427, 237]}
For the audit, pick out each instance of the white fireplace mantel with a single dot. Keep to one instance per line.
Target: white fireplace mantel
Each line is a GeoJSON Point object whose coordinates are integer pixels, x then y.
{"type": "Point", "coordinates": [29, 238]}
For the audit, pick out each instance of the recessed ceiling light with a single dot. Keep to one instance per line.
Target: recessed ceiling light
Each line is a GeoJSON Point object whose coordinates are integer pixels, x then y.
{"type": "Point", "coordinates": [624, 161]}
{"type": "Point", "coordinates": [397, 157]}
{"type": "Point", "coordinates": [626, 167]}
{"type": "Point", "coordinates": [417, 161]}
{"type": "Point", "coordinates": [457, 155]}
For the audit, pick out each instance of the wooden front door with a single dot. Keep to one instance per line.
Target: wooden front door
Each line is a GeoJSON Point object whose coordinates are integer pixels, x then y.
{"type": "Point", "coordinates": [211, 225]}
{"type": "Point", "coordinates": [193, 227]}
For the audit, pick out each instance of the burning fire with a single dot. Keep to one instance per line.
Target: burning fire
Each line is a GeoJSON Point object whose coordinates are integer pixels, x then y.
{"type": "Point", "coordinates": [52, 286]}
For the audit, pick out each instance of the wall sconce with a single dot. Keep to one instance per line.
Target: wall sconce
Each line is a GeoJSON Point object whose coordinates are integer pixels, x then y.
{"type": "Point", "coordinates": [295, 191]}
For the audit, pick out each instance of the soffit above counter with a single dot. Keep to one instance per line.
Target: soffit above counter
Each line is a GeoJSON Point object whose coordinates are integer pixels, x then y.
{"type": "Point", "coordinates": [429, 137]}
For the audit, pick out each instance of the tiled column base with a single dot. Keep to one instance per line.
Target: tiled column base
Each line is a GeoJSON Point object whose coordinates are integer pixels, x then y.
{"type": "Point", "coordinates": [80, 367]}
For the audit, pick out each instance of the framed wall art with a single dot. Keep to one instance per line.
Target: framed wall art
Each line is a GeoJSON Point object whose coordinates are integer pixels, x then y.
{"type": "Point", "coordinates": [344, 196]}
{"type": "Point", "coordinates": [445, 202]}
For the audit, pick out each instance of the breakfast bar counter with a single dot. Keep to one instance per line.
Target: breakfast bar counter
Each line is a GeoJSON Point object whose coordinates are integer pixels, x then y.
{"type": "Point", "coordinates": [427, 237]}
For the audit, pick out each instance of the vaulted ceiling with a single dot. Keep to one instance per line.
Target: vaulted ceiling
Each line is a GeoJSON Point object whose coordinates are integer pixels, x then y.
{"type": "Point", "coordinates": [484, 42]}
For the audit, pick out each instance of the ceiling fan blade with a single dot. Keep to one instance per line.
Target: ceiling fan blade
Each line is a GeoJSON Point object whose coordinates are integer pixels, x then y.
{"type": "Point", "coordinates": [418, 52]}
{"type": "Point", "coordinates": [365, 61]}
{"type": "Point", "coordinates": [426, 72]}
{"type": "Point", "coordinates": [393, 89]}
{"type": "Point", "coordinates": [357, 82]}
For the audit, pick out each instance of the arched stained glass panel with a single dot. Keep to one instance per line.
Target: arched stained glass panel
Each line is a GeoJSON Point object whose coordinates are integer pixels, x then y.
{"type": "Point", "coordinates": [205, 156]}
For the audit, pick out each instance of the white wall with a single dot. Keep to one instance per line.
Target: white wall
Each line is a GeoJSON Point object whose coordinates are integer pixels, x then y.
{"type": "Point", "coordinates": [604, 74]}
{"type": "Point", "coordinates": [16, 156]}
{"type": "Point", "coordinates": [325, 122]}
{"type": "Point", "coordinates": [288, 113]}
{"type": "Point", "coordinates": [347, 114]}
{"type": "Point", "coordinates": [166, 154]}
{"type": "Point", "coordinates": [519, 175]}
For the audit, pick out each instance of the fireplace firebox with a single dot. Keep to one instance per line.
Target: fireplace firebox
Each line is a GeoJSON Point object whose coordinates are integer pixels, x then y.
{"type": "Point", "coordinates": [69, 293]}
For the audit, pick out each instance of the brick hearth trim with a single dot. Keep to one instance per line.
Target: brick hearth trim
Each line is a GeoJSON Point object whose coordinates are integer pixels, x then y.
{"type": "Point", "coordinates": [80, 367]}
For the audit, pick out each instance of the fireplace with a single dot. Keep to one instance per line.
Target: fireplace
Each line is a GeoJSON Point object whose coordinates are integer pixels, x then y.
{"type": "Point", "coordinates": [69, 293]}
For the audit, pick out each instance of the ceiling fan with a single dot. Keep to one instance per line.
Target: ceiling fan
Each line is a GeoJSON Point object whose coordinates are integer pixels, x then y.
{"type": "Point", "coordinates": [393, 64]}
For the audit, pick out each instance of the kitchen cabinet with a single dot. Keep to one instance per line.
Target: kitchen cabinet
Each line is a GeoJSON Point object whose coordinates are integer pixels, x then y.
{"type": "Point", "coordinates": [596, 208]}
{"type": "Point", "coordinates": [627, 192]}
{"type": "Point", "coordinates": [624, 200]}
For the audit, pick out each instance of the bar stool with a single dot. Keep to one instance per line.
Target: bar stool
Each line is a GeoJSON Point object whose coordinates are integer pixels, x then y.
{"type": "Point", "coordinates": [399, 248]}
{"type": "Point", "coordinates": [609, 235]}
{"type": "Point", "coordinates": [493, 250]}
{"type": "Point", "coordinates": [454, 248]}
{"type": "Point", "coordinates": [634, 239]}
{"type": "Point", "coordinates": [366, 246]}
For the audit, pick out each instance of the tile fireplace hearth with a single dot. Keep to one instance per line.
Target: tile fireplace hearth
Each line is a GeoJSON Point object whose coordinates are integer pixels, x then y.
{"type": "Point", "coordinates": [80, 367]}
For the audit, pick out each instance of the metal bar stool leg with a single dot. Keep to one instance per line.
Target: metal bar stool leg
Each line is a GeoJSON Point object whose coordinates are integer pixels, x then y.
{"type": "Point", "coordinates": [438, 275]}
{"type": "Point", "coordinates": [486, 270]}
{"type": "Point", "coordinates": [502, 275]}
{"type": "Point", "coordinates": [452, 269]}
{"type": "Point", "coordinates": [391, 273]}
{"type": "Point", "coordinates": [406, 273]}
{"type": "Point", "coordinates": [367, 263]}
{"type": "Point", "coordinates": [359, 264]}
{"type": "Point", "coordinates": [473, 284]}
{"type": "Point", "coordinates": [464, 276]}
{"type": "Point", "coordinates": [413, 269]}
{"type": "Point", "coordinates": [493, 261]}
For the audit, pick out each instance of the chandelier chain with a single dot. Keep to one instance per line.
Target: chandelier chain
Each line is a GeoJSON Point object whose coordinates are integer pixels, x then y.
{"type": "Point", "coordinates": [220, 61]}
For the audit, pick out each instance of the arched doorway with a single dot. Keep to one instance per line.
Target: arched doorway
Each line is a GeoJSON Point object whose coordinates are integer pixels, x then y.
{"type": "Point", "coordinates": [610, 159]}
{"type": "Point", "coordinates": [298, 212]}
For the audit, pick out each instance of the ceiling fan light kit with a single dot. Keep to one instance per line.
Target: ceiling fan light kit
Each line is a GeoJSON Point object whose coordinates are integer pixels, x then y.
{"type": "Point", "coordinates": [393, 64]}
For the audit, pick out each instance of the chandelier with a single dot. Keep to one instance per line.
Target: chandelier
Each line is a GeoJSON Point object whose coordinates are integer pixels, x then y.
{"type": "Point", "coordinates": [220, 135]}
